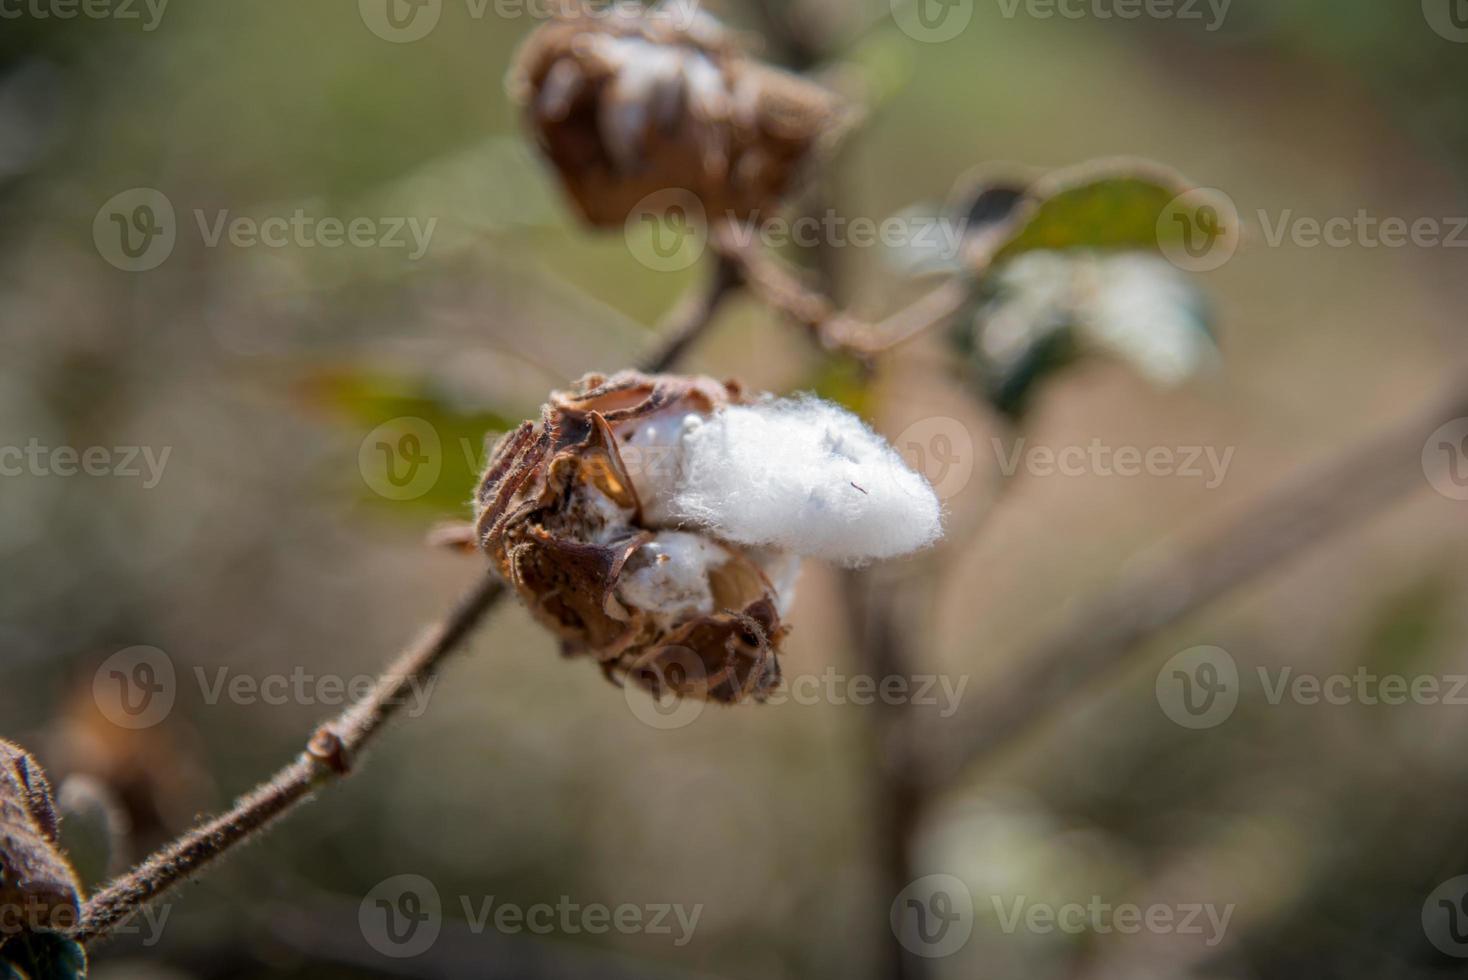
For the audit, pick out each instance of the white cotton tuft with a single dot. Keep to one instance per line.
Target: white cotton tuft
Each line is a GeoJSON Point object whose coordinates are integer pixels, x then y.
{"type": "Point", "coordinates": [653, 456]}
{"type": "Point", "coordinates": [670, 575]}
{"type": "Point", "coordinates": [803, 476]}
{"type": "Point", "coordinates": [782, 568]}
{"type": "Point", "coordinates": [652, 84]}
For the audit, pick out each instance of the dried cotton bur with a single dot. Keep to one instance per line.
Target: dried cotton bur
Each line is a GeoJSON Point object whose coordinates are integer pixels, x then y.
{"type": "Point", "coordinates": [627, 103]}
{"type": "Point", "coordinates": [39, 894]}
{"type": "Point", "coordinates": [656, 523]}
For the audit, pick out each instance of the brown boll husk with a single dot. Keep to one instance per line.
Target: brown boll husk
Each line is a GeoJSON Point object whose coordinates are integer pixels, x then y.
{"type": "Point", "coordinates": [731, 132]}
{"type": "Point", "coordinates": [559, 516]}
{"type": "Point", "coordinates": [38, 888]}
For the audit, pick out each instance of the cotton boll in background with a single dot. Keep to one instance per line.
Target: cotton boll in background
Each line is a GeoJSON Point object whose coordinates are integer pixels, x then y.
{"type": "Point", "coordinates": [807, 477]}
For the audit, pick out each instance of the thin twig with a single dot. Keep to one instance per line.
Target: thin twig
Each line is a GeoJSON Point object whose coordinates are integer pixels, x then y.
{"type": "Point", "coordinates": [929, 311]}
{"type": "Point", "coordinates": [337, 745]}
{"type": "Point", "coordinates": [692, 316]}
{"type": "Point", "coordinates": [771, 282]}
{"type": "Point", "coordinates": [1321, 501]}
{"type": "Point", "coordinates": [782, 289]}
{"type": "Point", "coordinates": [328, 757]}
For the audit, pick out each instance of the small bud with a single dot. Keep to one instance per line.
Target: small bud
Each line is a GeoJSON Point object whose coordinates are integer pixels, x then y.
{"type": "Point", "coordinates": [627, 104]}
{"type": "Point", "coordinates": [327, 750]}
{"type": "Point", "coordinates": [38, 889]}
{"type": "Point", "coordinates": [574, 529]}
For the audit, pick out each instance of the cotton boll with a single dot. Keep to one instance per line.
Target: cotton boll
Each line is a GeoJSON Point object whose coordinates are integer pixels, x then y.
{"type": "Point", "coordinates": [562, 519]}
{"type": "Point", "coordinates": [702, 27]}
{"type": "Point", "coordinates": [601, 518]}
{"type": "Point", "coordinates": [653, 455]}
{"type": "Point", "coordinates": [562, 84]}
{"type": "Point", "coordinates": [645, 73]}
{"type": "Point", "coordinates": [782, 568]}
{"type": "Point", "coordinates": [669, 575]}
{"type": "Point", "coordinates": [807, 477]}
{"type": "Point", "coordinates": [649, 104]}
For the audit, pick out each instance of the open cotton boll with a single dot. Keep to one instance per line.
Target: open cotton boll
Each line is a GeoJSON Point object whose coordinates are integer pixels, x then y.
{"type": "Point", "coordinates": [563, 514]}
{"type": "Point", "coordinates": [653, 455]}
{"type": "Point", "coordinates": [670, 575]}
{"type": "Point", "coordinates": [782, 568]}
{"type": "Point", "coordinates": [652, 85]}
{"type": "Point", "coordinates": [804, 476]}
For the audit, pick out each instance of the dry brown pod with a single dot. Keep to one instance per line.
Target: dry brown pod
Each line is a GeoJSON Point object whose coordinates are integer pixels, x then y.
{"type": "Point", "coordinates": [38, 889]}
{"type": "Point", "coordinates": [672, 610]}
{"type": "Point", "coordinates": [650, 110]}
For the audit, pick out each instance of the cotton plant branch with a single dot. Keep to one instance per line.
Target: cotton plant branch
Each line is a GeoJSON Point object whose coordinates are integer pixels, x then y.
{"type": "Point", "coordinates": [693, 315]}
{"type": "Point", "coordinates": [782, 289]}
{"type": "Point", "coordinates": [888, 616]}
{"type": "Point", "coordinates": [878, 607]}
{"type": "Point", "coordinates": [336, 747]}
{"type": "Point", "coordinates": [330, 755]}
{"type": "Point", "coordinates": [1319, 502]}
{"type": "Point", "coordinates": [880, 623]}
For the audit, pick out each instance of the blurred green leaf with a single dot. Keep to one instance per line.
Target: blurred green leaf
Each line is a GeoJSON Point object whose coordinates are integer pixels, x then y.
{"type": "Point", "coordinates": [846, 382]}
{"type": "Point", "coordinates": [881, 64]}
{"type": "Point", "coordinates": [386, 408]}
{"type": "Point", "coordinates": [1040, 314]}
{"type": "Point", "coordinates": [1408, 625]}
{"type": "Point", "coordinates": [1120, 204]}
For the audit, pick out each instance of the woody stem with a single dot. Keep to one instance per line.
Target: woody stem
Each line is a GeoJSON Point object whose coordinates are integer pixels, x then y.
{"type": "Point", "coordinates": [330, 755]}
{"type": "Point", "coordinates": [338, 745]}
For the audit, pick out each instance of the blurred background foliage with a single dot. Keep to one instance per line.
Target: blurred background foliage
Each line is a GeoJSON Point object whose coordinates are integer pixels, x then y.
{"type": "Point", "coordinates": [264, 370]}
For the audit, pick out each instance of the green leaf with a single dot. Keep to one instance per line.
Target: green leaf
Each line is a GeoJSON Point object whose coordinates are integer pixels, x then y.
{"type": "Point", "coordinates": [883, 65]}
{"type": "Point", "coordinates": [404, 421]}
{"type": "Point", "coordinates": [1112, 205]}
{"type": "Point", "coordinates": [1042, 313]}
{"type": "Point", "coordinates": [1409, 626]}
{"type": "Point", "coordinates": [846, 382]}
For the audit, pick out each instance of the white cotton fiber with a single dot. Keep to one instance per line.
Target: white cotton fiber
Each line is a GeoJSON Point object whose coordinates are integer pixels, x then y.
{"type": "Point", "coordinates": [782, 568]}
{"type": "Point", "coordinates": [670, 575]}
{"type": "Point", "coordinates": [804, 476]}
{"type": "Point", "coordinates": [653, 456]}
